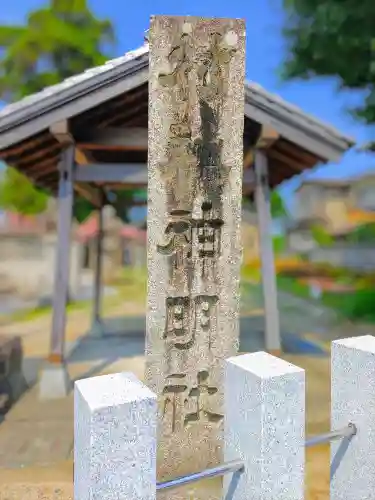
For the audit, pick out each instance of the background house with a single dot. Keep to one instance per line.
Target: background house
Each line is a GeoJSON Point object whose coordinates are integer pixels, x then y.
{"type": "Point", "coordinates": [334, 205]}
{"type": "Point", "coordinates": [364, 192]}
{"type": "Point", "coordinates": [340, 209]}
{"type": "Point", "coordinates": [123, 244]}
{"type": "Point", "coordinates": [28, 244]}
{"type": "Point", "coordinates": [27, 255]}
{"type": "Point", "coordinates": [28, 248]}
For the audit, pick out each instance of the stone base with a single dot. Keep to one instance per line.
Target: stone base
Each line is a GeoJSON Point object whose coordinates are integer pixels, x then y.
{"type": "Point", "coordinates": [97, 329]}
{"type": "Point", "coordinates": [275, 352]}
{"type": "Point", "coordinates": [187, 452]}
{"type": "Point", "coordinates": [17, 384]}
{"type": "Point", "coordinates": [12, 380]}
{"type": "Point", "coordinates": [54, 381]}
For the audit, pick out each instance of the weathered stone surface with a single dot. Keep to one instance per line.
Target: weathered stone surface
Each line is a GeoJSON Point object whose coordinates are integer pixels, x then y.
{"type": "Point", "coordinates": [195, 159]}
{"type": "Point", "coordinates": [12, 381]}
{"type": "Point", "coordinates": [114, 438]}
{"type": "Point", "coordinates": [353, 401]}
{"type": "Point", "coordinates": [265, 428]}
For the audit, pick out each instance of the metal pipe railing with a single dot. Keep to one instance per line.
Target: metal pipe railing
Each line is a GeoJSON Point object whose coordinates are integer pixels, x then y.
{"type": "Point", "coordinates": [348, 431]}
{"type": "Point", "coordinates": [219, 470]}
{"type": "Point", "coordinates": [237, 466]}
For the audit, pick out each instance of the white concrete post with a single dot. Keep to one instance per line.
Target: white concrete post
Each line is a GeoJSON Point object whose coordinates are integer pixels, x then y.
{"type": "Point", "coordinates": [115, 421]}
{"type": "Point", "coordinates": [265, 428]}
{"type": "Point", "coordinates": [353, 401]}
{"type": "Point", "coordinates": [263, 208]}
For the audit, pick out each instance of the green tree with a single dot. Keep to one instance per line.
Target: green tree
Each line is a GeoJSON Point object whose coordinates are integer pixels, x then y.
{"type": "Point", "coordinates": [62, 39]}
{"type": "Point", "coordinates": [278, 209]}
{"type": "Point", "coordinates": [333, 38]}
{"type": "Point", "coordinates": [17, 194]}
{"type": "Point", "coordinates": [363, 234]}
{"type": "Point", "coordinates": [321, 236]}
{"type": "Point", "coordinates": [59, 40]}
{"type": "Point", "coordinates": [279, 243]}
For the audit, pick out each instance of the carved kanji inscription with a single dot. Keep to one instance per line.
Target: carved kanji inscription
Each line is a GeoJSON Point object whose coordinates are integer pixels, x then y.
{"type": "Point", "coordinates": [195, 157]}
{"type": "Point", "coordinates": [179, 330]}
{"type": "Point", "coordinates": [183, 406]}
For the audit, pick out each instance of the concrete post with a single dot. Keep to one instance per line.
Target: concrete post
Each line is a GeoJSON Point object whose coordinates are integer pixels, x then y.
{"type": "Point", "coordinates": [265, 428]}
{"type": "Point", "coordinates": [115, 418]}
{"type": "Point", "coordinates": [353, 401]}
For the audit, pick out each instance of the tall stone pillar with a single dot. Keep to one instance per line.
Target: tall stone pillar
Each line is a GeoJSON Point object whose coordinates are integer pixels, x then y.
{"type": "Point", "coordinates": [195, 155]}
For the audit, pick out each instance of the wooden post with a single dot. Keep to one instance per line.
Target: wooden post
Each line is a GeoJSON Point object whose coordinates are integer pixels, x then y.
{"type": "Point", "coordinates": [97, 327]}
{"type": "Point", "coordinates": [262, 201]}
{"type": "Point", "coordinates": [54, 380]}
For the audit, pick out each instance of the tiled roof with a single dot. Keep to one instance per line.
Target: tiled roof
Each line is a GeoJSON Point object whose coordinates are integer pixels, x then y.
{"type": "Point", "coordinates": [133, 233]}
{"type": "Point", "coordinates": [18, 224]}
{"type": "Point", "coordinates": [89, 229]}
{"type": "Point", "coordinates": [259, 93]}
{"type": "Point", "coordinates": [261, 106]}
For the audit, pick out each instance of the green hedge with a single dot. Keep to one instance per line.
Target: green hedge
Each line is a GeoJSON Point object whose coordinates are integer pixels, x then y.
{"type": "Point", "coordinates": [358, 305]}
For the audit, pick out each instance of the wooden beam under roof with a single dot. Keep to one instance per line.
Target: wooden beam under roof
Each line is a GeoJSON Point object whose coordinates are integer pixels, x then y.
{"type": "Point", "coordinates": [129, 174]}
{"type": "Point", "coordinates": [91, 193]}
{"type": "Point", "coordinates": [61, 132]}
{"type": "Point", "coordinates": [115, 138]}
{"type": "Point", "coordinates": [83, 157]}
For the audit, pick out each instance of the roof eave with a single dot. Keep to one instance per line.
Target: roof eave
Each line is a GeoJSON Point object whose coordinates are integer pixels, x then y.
{"type": "Point", "coordinates": [294, 125]}
{"type": "Point", "coordinates": [71, 101]}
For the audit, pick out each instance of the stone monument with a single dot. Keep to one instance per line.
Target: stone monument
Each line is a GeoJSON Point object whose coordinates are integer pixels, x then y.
{"type": "Point", "coordinates": [195, 155]}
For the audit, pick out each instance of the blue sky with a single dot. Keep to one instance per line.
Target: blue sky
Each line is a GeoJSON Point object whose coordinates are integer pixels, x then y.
{"type": "Point", "coordinates": [265, 51]}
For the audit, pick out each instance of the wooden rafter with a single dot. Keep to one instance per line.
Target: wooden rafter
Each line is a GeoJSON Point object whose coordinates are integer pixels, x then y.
{"type": "Point", "coordinates": [24, 147]}
{"type": "Point", "coordinates": [42, 172]}
{"type": "Point", "coordinates": [100, 114]}
{"type": "Point", "coordinates": [39, 153]}
{"type": "Point", "coordinates": [268, 136]}
{"type": "Point", "coordinates": [91, 193]}
{"type": "Point", "coordinates": [35, 167]}
{"type": "Point", "coordinates": [304, 156]}
{"type": "Point", "coordinates": [285, 159]}
{"type": "Point", "coordinates": [125, 115]}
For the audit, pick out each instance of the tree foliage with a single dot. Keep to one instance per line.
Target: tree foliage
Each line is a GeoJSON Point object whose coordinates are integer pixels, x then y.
{"type": "Point", "coordinates": [321, 236]}
{"type": "Point", "coordinates": [59, 40]}
{"type": "Point", "coordinates": [363, 234]}
{"type": "Point", "coordinates": [277, 204]}
{"type": "Point", "coordinates": [333, 38]}
{"type": "Point", "coordinates": [17, 194]}
{"type": "Point", "coordinates": [278, 209]}
{"type": "Point", "coordinates": [279, 243]}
